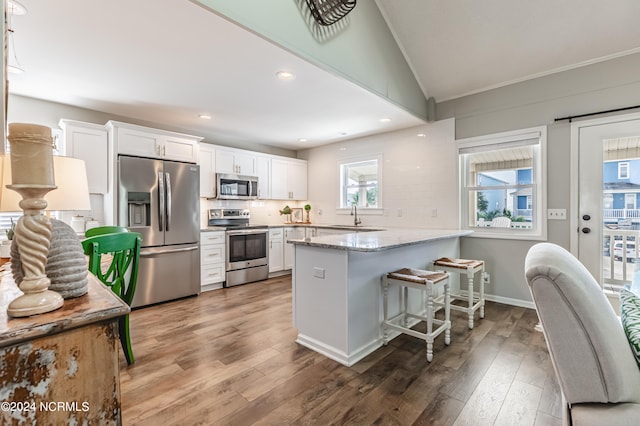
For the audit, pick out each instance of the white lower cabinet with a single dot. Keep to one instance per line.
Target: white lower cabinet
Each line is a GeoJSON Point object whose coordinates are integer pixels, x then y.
{"type": "Point", "coordinates": [291, 233]}
{"type": "Point", "coordinates": [276, 250]}
{"type": "Point", "coordinates": [212, 256]}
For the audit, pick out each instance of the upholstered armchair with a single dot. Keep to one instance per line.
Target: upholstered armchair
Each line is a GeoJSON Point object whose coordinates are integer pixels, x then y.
{"type": "Point", "coordinates": [594, 363]}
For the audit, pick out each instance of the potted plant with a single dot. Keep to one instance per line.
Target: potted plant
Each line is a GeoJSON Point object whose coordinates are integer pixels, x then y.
{"type": "Point", "coordinates": [5, 248]}
{"type": "Point", "coordinates": [307, 209]}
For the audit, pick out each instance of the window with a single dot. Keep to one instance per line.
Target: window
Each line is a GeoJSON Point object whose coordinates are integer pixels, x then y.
{"type": "Point", "coordinates": [623, 170]}
{"type": "Point", "coordinates": [502, 176]}
{"type": "Point", "coordinates": [630, 201]}
{"type": "Point", "coordinates": [360, 183]}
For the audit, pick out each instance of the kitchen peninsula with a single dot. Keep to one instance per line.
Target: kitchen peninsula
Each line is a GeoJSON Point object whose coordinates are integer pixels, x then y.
{"type": "Point", "coordinates": [337, 296]}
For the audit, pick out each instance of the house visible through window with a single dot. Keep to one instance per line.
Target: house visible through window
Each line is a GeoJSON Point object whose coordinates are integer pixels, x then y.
{"type": "Point", "coordinates": [623, 170]}
{"type": "Point", "coordinates": [360, 183]}
{"type": "Point", "coordinates": [502, 177]}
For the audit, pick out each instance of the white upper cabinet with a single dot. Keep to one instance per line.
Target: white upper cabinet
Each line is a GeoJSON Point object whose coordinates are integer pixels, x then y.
{"type": "Point", "coordinates": [235, 162]}
{"type": "Point", "coordinates": [88, 142]}
{"type": "Point", "coordinates": [288, 179]}
{"type": "Point", "coordinates": [263, 171]}
{"type": "Point", "coordinates": [279, 178]}
{"type": "Point", "coordinates": [206, 160]}
{"type": "Point", "coordinates": [147, 142]}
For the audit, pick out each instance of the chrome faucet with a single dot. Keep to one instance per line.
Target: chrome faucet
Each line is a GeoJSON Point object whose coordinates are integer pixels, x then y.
{"type": "Point", "coordinates": [354, 212]}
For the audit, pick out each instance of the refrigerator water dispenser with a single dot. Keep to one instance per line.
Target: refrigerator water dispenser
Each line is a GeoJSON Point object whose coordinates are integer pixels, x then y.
{"type": "Point", "coordinates": [139, 209]}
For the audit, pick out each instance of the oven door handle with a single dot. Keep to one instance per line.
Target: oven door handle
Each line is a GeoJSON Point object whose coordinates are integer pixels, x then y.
{"type": "Point", "coordinates": [248, 231]}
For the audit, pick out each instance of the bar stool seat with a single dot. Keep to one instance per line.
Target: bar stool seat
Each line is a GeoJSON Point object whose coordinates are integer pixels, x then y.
{"type": "Point", "coordinates": [470, 267]}
{"type": "Point", "coordinates": [427, 282]}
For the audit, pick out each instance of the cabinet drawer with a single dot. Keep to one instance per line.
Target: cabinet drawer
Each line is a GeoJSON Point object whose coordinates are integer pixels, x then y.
{"type": "Point", "coordinates": [212, 254]}
{"type": "Point", "coordinates": [211, 274]}
{"type": "Point", "coordinates": [211, 238]}
{"type": "Point", "coordinates": [275, 233]}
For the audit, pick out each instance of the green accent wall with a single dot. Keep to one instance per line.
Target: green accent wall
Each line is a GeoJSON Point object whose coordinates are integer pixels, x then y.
{"type": "Point", "coordinates": [359, 47]}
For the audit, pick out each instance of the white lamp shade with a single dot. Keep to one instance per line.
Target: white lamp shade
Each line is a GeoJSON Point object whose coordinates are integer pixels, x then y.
{"type": "Point", "coordinates": [70, 178]}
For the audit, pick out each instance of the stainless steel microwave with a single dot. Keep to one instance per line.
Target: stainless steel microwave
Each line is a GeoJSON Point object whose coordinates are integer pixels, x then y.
{"type": "Point", "coordinates": [236, 187]}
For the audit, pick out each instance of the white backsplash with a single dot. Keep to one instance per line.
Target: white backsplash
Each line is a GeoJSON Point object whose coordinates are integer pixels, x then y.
{"type": "Point", "coordinates": [263, 212]}
{"type": "Point", "coordinates": [419, 175]}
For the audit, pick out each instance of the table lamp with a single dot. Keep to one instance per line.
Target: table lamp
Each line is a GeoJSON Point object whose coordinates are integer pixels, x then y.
{"type": "Point", "coordinates": [70, 177]}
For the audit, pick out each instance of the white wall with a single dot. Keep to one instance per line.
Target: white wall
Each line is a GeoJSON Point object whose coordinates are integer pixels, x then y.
{"type": "Point", "coordinates": [606, 85]}
{"type": "Point", "coordinates": [419, 176]}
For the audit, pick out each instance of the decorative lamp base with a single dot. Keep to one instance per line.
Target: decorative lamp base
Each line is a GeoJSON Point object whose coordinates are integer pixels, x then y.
{"type": "Point", "coordinates": [35, 303]}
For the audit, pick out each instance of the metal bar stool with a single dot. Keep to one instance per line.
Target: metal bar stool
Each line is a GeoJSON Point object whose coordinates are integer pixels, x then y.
{"type": "Point", "coordinates": [427, 282]}
{"type": "Point", "coordinates": [471, 268]}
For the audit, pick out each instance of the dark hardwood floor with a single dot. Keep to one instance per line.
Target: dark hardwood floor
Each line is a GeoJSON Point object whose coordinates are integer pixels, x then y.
{"type": "Point", "coordinates": [228, 357]}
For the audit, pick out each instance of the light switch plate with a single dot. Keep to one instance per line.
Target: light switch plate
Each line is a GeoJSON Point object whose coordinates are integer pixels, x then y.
{"type": "Point", "coordinates": [557, 214]}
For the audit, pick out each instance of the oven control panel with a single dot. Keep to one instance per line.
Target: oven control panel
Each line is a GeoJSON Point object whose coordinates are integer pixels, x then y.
{"type": "Point", "coordinates": [229, 214]}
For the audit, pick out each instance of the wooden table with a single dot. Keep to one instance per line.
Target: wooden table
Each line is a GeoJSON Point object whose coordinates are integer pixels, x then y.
{"type": "Point", "coordinates": [61, 367]}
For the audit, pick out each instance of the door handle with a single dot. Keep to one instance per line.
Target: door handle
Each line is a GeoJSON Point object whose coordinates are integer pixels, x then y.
{"type": "Point", "coordinates": [168, 184]}
{"type": "Point", "coordinates": [586, 217]}
{"type": "Point", "coordinates": [161, 209]}
{"type": "Point", "coordinates": [586, 230]}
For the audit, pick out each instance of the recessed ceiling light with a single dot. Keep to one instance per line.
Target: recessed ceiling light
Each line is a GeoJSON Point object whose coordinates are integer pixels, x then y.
{"type": "Point", "coordinates": [205, 116]}
{"type": "Point", "coordinates": [285, 75]}
{"type": "Point", "coordinates": [15, 8]}
{"type": "Point", "coordinates": [343, 133]}
{"type": "Point", "coordinates": [385, 120]}
{"type": "Point", "coordinates": [302, 140]}
{"type": "Point", "coordinates": [422, 135]}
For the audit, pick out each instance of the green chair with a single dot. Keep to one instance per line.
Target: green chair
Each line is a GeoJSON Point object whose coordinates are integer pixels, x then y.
{"type": "Point", "coordinates": [120, 275]}
{"type": "Point", "coordinates": [104, 230]}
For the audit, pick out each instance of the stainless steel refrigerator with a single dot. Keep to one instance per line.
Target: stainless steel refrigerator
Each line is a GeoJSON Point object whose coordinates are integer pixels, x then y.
{"type": "Point", "coordinates": [160, 200]}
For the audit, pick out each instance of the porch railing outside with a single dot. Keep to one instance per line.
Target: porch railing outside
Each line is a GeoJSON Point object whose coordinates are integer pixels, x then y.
{"type": "Point", "coordinates": [618, 273]}
{"type": "Point", "coordinates": [621, 213]}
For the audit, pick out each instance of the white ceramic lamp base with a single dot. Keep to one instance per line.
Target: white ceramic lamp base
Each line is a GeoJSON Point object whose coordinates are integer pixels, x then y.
{"type": "Point", "coordinates": [35, 303]}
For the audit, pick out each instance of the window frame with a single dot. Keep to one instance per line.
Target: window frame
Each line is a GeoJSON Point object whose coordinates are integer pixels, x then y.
{"type": "Point", "coordinates": [624, 165]}
{"type": "Point", "coordinates": [340, 208]}
{"type": "Point", "coordinates": [539, 170]}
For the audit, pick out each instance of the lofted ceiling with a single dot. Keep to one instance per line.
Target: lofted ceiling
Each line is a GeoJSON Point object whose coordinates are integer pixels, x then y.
{"type": "Point", "coordinates": [461, 47]}
{"type": "Point", "coordinates": [168, 62]}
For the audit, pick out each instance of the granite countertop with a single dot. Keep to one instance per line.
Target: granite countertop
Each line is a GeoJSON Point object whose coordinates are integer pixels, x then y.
{"type": "Point", "coordinates": [212, 228]}
{"type": "Point", "coordinates": [303, 225]}
{"type": "Point", "coordinates": [381, 240]}
{"type": "Point", "coordinates": [98, 304]}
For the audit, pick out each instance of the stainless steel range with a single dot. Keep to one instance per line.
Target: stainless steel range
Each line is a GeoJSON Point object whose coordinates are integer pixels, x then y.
{"type": "Point", "coordinates": [247, 248]}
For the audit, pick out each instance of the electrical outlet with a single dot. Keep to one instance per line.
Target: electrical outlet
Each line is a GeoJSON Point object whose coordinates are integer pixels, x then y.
{"type": "Point", "coordinates": [434, 212]}
{"type": "Point", "coordinates": [399, 212]}
{"type": "Point", "coordinates": [487, 278]}
{"type": "Point", "coordinates": [318, 272]}
{"type": "Point", "coordinates": [557, 214]}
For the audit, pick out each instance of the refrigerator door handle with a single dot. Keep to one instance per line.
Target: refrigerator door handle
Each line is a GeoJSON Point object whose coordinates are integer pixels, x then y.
{"type": "Point", "coordinates": [161, 209]}
{"type": "Point", "coordinates": [151, 253]}
{"type": "Point", "coordinates": [167, 178]}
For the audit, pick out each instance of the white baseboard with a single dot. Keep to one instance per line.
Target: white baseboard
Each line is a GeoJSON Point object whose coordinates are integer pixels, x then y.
{"type": "Point", "coordinates": [506, 300]}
